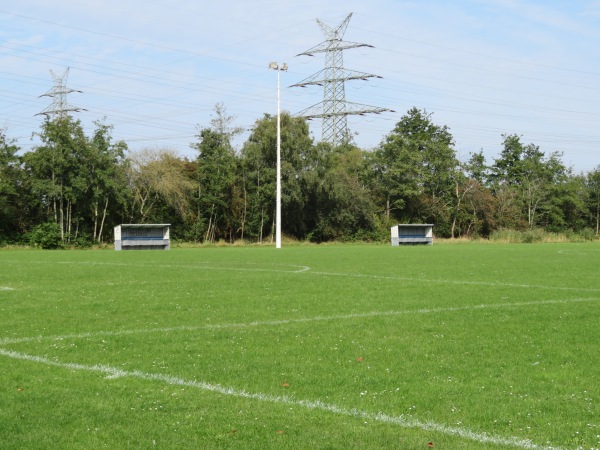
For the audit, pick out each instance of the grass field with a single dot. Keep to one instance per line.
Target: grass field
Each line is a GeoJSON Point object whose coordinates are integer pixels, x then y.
{"type": "Point", "coordinates": [443, 346]}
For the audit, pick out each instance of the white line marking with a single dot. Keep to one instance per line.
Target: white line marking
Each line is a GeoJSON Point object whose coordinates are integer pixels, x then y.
{"type": "Point", "coordinates": [6, 288]}
{"type": "Point", "coordinates": [457, 282]}
{"type": "Point", "coordinates": [578, 252]}
{"type": "Point", "coordinates": [308, 270]}
{"type": "Point", "coordinates": [8, 341]}
{"type": "Point", "coordinates": [402, 421]}
{"type": "Point", "coordinates": [295, 267]}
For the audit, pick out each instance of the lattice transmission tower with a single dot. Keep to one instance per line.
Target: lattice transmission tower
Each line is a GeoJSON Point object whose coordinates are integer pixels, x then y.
{"type": "Point", "coordinates": [59, 107]}
{"type": "Point", "coordinates": [335, 109]}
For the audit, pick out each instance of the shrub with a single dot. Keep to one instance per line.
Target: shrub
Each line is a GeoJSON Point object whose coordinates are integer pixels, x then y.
{"type": "Point", "coordinates": [584, 235]}
{"type": "Point", "coordinates": [46, 235]}
{"type": "Point", "coordinates": [82, 241]}
{"type": "Point", "coordinates": [532, 235]}
{"type": "Point", "coordinates": [505, 235]}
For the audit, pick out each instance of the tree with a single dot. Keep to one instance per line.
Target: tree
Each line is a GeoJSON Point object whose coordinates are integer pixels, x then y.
{"type": "Point", "coordinates": [534, 178]}
{"type": "Point", "coordinates": [219, 194]}
{"type": "Point", "coordinates": [107, 176]}
{"type": "Point", "coordinates": [593, 189]}
{"type": "Point", "coordinates": [477, 169]}
{"type": "Point", "coordinates": [58, 175]}
{"type": "Point", "coordinates": [479, 205]}
{"type": "Point", "coordinates": [297, 159]}
{"type": "Point", "coordinates": [414, 170]}
{"type": "Point", "coordinates": [258, 168]}
{"type": "Point", "coordinates": [462, 187]}
{"type": "Point", "coordinates": [566, 208]}
{"type": "Point", "coordinates": [156, 178]}
{"type": "Point", "coordinates": [530, 179]}
{"type": "Point", "coordinates": [10, 171]}
{"type": "Point", "coordinates": [508, 167]}
{"type": "Point", "coordinates": [338, 202]}
{"type": "Point", "coordinates": [216, 184]}
{"type": "Point", "coordinates": [473, 201]}
{"type": "Point", "coordinates": [75, 180]}
{"type": "Point", "coordinates": [259, 159]}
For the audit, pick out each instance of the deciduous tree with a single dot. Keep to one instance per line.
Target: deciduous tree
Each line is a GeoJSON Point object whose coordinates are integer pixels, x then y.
{"type": "Point", "coordinates": [58, 177]}
{"type": "Point", "coordinates": [414, 170]}
{"type": "Point", "coordinates": [10, 188]}
{"type": "Point", "coordinates": [158, 176]}
{"type": "Point", "coordinates": [593, 197]}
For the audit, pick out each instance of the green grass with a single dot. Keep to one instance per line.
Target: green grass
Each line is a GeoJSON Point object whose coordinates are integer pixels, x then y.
{"type": "Point", "coordinates": [461, 346]}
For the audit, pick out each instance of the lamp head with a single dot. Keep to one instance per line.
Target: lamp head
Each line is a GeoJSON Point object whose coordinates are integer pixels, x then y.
{"type": "Point", "coordinates": [277, 66]}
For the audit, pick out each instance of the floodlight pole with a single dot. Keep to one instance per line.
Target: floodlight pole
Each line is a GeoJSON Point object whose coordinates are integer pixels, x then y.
{"type": "Point", "coordinates": [278, 67]}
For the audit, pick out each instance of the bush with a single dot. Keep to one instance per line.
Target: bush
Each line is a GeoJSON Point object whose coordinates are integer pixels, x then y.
{"type": "Point", "coordinates": [533, 235]}
{"type": "Point", "coordinates": [505, 235]}
{"type": "Point", "coordinates": [539, 235]}
{"type": "Point", "coordinates": [82, 241]}
{"type": "Point", "coordinates": [528, 236]}
{"type": "Point", "coordinates": [583, 235]}
{"type": "Point", "coordinates": [46, 235]}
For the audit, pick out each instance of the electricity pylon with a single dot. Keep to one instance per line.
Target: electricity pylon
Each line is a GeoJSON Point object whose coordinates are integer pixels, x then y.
{"type": "Point", "coordinates": [334, 109]}
{"type": "Point", "coordinates": [59, 107]}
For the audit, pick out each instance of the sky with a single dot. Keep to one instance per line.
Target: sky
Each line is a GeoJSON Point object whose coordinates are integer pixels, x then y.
{"type": "Point", "coordinates": [155, 70]}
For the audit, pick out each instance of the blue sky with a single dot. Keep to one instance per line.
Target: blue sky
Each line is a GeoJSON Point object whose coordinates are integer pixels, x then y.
{"type": "Point", "coordinates": [156, 69]}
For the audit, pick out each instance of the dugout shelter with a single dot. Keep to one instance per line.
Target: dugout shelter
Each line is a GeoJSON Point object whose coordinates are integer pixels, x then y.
{"type": "Point", "coordinates": [147, 236]}
{"type": "Point", "coordinates": [412, 234]}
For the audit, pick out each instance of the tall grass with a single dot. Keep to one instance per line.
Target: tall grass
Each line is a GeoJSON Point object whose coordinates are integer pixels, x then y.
{"type": "Point", "coordinates": [539, 235]}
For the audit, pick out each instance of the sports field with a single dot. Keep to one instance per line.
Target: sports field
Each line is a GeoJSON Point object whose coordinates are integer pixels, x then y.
{"type": "Point", "coordinates": [469, 346]}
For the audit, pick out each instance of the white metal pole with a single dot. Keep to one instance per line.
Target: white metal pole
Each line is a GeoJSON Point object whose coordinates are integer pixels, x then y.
{"type": "Point", "coordinates": [278, 199]}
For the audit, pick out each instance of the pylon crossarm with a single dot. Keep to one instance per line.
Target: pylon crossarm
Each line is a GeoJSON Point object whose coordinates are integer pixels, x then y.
{"type": "Point", "coordinates": [329, 46]}
{"type": "Point", "coordinates": [359, 109]}
{"type": "Point", "coordinates": [311, 112]}
{"type": "Point", "coordinates": [349, 109]}
{"type": "Point", "coordinates": [319, 78]}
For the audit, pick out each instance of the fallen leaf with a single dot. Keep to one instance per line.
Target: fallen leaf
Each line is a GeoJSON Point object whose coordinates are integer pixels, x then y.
{"type": "Point", "coordinates": [359, 359]}
{"type": "Point", "coordinates": [20, 389]}
{"type": "Point", "coordinates": [285, 385]}
{"type": "Point", "coordinates": [430, 444]}
{"type": "Point", "coordinates": [233, 431]}
{"type": "Point", "coordinates": [280, 431]}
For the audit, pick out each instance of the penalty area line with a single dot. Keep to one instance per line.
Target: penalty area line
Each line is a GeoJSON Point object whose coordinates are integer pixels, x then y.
{"type": "Point", "coordinates": [401, 420]}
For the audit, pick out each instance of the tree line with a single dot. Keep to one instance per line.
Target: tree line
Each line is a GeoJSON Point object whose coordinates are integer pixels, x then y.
{"type": "Point", "coordinates": [72, 188]}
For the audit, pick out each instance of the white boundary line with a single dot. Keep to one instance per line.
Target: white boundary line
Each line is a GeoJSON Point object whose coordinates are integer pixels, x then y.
{"type": "Point", "coordinates": [405, 422]}
{"type": "Point", "coordinates": [294, 268]}
{"type": "Point", "coordinates": [402, 421]}
{"type": "Point", "coordinates": [308, 270]}
{"type": "Point", "coordinates": [8, 341]}
{"type": "Point", "coordinates": [458, 282]}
